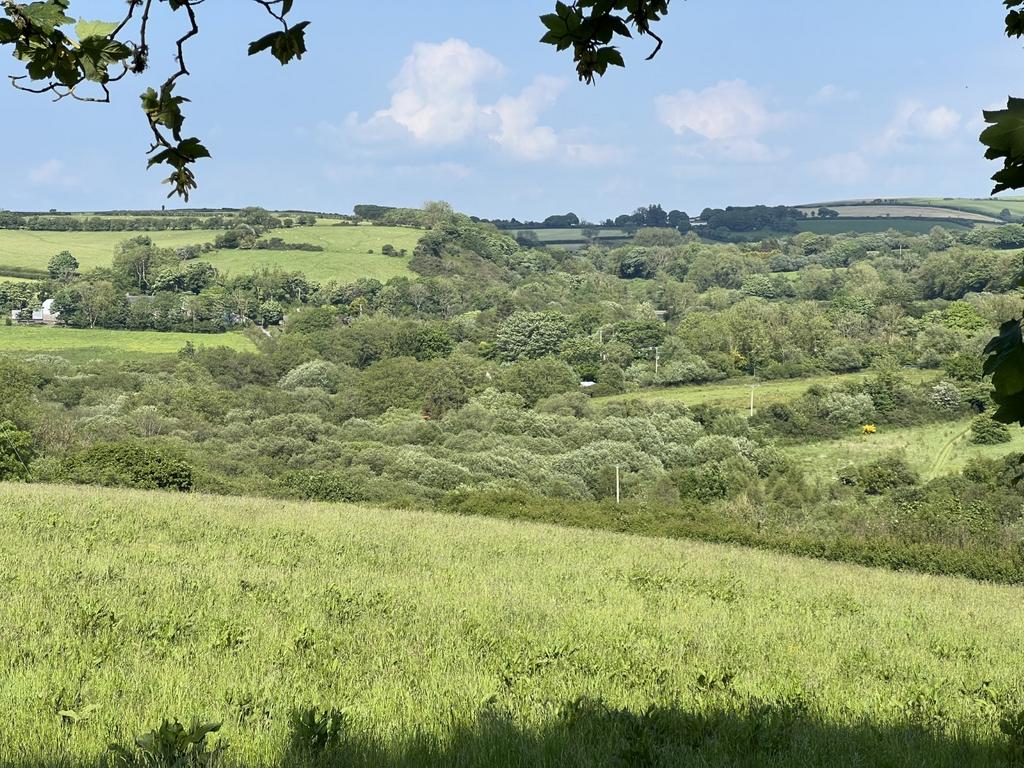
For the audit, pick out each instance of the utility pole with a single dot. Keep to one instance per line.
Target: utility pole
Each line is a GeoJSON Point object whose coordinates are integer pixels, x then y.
{"type": "Point", "coordinates": [657, 360]}
{"type": "Point", "coordinates": [617, 494]}
{"type": "Point", "coordinates": [752, 386]}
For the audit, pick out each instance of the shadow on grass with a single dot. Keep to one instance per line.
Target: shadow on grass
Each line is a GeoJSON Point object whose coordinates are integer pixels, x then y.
{"type": "Point", "coordinates": [589, 734]}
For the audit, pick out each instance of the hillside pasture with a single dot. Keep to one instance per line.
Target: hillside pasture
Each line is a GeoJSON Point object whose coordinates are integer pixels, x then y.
{"type": "Point", "coordinates": [736, 394]}
{"type": "Point", "coordinates": [345, 256]}
{"type": "Point", "coordinates": [988, 206]}
{"type": "Point", "coordinates": [902, 211]}
{"type": "Point", "coordinates": [932, 450]}
{"type": "Point", "coordinates": [80, 344]}
{"type": "Point", "coordinates": [571, 235]}
{"type": "Point", "coordinates": [33, 250]}
{"type": "Point", "coordinates": [452, 641]}
{"type": "Point", "coordinates": [921, 226]}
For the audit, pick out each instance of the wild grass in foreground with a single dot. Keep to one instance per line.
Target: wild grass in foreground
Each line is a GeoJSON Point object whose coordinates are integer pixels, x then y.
{"type": "Point", "coordinates": [343, 635]}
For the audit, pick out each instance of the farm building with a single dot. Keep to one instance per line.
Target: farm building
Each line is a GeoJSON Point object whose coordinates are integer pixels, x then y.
{"type": "Point", "coordinates": [42, 316]}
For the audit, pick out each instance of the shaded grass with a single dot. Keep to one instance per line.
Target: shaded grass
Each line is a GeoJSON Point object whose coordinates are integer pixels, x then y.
{"type": "Point", "coordinates": [466, 642]}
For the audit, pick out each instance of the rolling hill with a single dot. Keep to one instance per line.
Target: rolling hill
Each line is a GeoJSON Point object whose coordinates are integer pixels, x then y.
{"type": "Point", "coordinates": [443, 640]}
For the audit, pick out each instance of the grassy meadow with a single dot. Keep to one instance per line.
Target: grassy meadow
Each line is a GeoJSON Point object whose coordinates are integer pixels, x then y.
{"type": "Point", "coordinates": [345, 256]}
{"type": "Point", "coordinates": [989, 206]}
{"type": "Point", "coordinates": [448, 641]}
{"type": "Point", "coordinates": [840, 226]}
{"type": "Point", "coordinates": [33, 250]}
{"type": "Point", "coordinates": [736, 394]}
{"type": "Point", "coordinates": [932, 449]}
{"type": "Point", "coordinates": [80, 344]}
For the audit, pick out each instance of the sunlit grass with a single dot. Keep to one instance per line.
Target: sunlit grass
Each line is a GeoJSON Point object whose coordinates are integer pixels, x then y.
{"type": "Point", "coordinates": [460, 641]}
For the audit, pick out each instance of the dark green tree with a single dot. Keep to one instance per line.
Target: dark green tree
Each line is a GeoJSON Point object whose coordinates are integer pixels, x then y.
{"type": "Point", "coordinates": [63, 267]}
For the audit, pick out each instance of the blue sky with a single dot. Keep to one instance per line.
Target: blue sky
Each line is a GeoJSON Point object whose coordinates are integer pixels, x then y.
{"type": "Point", "coordinates": [787, 102]}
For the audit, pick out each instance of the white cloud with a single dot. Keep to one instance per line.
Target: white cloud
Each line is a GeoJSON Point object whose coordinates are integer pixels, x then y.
{"type": "Point", "coordinates": [434, 95]}
{"type": "Point", "coordinates": [915, 122]}
{"type": "Point", "coordinates": [730, 109]}
{"type": "Point", "coordinates": [51, 173]}
{"type": "Point", "coordinates": [843, 168]}
{"type": "Point", "coordinates": [435, 101]}
{"type": "Point", "coordinates": [832, 92]}
{"type": "Point", "coordinates": [517, 130]}
{"type": "Point", "coordinates": [727, 120]}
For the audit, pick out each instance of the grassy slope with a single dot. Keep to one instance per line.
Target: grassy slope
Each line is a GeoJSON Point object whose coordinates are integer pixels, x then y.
{"type": "Point", "coordinates": [933, 450]}
{"type": "Point", "coordinates": [473, 635]}
{"type": "Point", "coordinates": [20, 248]}
{"type": "Point", "coordinates": [925, 210]}
{"type": "Point", "coordinates": [345, 257]}
{"type": "Point", "coordinates": [736, 394]}
{"type": "Point", "coordinates": [986, 206]}
{"type": "Point", "coordinates": [841, 226]}
{"type": "Point", "coordinates": [86, 343]}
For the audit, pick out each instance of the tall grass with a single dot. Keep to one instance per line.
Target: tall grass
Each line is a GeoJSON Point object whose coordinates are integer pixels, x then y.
{"type": "Point", "coordinates": [398, 638]}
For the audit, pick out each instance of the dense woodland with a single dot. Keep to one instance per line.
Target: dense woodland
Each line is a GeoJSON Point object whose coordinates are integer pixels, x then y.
{"type": "Point", "coordinates": [460, 388]}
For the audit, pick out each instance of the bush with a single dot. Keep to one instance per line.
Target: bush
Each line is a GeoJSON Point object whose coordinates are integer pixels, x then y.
{"type": "Point", "coordinates": [986, 431]}
{"type": "Point", "coordinates": [16, 452]}
{"type": "Point", "coordinates": [316, 374]}
{"type": "Point", "coordinates": [878, 476]}
{"type": "Point", "coordinates": [130, 464]}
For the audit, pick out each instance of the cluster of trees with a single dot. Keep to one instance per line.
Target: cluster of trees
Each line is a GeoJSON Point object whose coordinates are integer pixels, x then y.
{"type": "Point", "coordinates": [155, 222]}
{"type": "Point", "coordinates": [152, 288]}
{"type": "Point", "coordinates": [779, 218]}
{"type": "Point", "coordinates": [464, 381]}
{"type": "Point", "coordinates": [646, 216]}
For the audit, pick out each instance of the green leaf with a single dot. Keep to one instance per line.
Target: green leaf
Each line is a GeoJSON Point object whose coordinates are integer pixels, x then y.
{"type": "Point", "coordinates": [8, 31]}
{"type": "Point", "coordinates": [84, 29]}
{"type": "Point", "coordinates": [46, 15]}
{"type": "Point", "coordinates": [1005, 362]}
{"type": "Point", "coordinates": [1005, 140]}
{"type": "Point", "coordinates": [284, 46]}
{"type": "Point", "coordinates": [1011, 408]}
{"type": "Point", "coordinates": [96, 54]}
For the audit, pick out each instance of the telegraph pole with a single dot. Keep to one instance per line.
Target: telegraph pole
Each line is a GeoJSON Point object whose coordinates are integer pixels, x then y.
{"type": "Point", "coordinates": [617, 495]}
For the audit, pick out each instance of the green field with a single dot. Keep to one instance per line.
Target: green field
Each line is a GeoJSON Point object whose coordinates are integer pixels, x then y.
{"type": "Point", "coordinates": [571, 234]}
{"type": "Point", "coordinates": [345, 257]}
{"type": "Point", "coordinates": [933, 450]}
{"type": "Point", "coordinates": [450, 641]}
{"type": "Point", "coordinates": [24, 248]}
{"type": "Point", "coordinates": [736, 394]}
{"type": "Point", "coordinates": [904, 210]}
{"type": "Point", "coordinates": [80, 344]}
{"type": "Point", "coordinates": [986, 206]}
{"type": "Point", "coordinates": [910, 225]}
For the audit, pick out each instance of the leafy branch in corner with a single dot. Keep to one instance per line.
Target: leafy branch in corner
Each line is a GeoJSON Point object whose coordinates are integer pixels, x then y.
{"type": "Point", "coordinates": [1004, 139]}
{"type": "Point", "coordinates": [81, 60]}
{"type": "Point", "coordinates": [590, 26]}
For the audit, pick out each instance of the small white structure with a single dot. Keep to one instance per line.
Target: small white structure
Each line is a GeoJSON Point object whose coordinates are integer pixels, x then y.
{"type": "Point", "coordinates": [42, 316]}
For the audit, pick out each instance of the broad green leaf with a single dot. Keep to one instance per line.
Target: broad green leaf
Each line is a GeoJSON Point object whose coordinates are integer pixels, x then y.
{"type": "Point", "coordinates": [8, 31]}
{"type": "Point", "coordinates": [1005, 362]}
{"type": "Point", "coordinates": [84, 29]}
{"type": "Point", "coordinates": [46, 15]}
